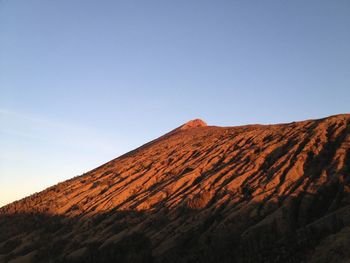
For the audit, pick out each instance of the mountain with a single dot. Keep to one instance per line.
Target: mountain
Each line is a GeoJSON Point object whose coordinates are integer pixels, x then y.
{"type": "Point", "coordinates": [254, 193]}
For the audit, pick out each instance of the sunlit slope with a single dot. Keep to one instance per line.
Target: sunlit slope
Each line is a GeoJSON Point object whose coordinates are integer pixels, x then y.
{"type": "Point", "coordinates": [200, 193]}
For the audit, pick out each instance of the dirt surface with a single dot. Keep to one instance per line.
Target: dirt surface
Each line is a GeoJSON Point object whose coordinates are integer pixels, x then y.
{"type": "Point", "coordinates": [255, 193]}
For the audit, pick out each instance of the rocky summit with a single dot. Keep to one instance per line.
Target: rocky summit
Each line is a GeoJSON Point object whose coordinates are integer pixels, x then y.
{"type": "Point", "coordinates": [254, 193]}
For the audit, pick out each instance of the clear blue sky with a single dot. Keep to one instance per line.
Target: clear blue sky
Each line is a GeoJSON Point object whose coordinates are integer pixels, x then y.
{"type": "Point", "coordinates": [82, 82]}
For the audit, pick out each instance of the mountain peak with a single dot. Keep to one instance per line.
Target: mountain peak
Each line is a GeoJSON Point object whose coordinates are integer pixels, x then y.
{"type": "Point", "coordinates": [193, 124]}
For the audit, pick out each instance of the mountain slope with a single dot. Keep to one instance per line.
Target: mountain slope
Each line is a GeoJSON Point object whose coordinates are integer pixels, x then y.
{"type": "Point", "coordinates": [255, 193]}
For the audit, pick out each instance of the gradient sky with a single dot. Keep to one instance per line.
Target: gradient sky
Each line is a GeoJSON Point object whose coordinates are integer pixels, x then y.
{"type": "Point", "coordinates": [82, 82]}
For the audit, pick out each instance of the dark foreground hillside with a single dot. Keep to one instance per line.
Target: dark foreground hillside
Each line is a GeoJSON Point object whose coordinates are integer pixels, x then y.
{"type": "Point", "coordinates": [255, 193]}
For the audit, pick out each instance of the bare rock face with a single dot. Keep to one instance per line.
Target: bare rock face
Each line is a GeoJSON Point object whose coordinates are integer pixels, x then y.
{"type": "Point", "coordinates": [196, 123]}
{"type": "Point", "coordinates": [255, 193]}
{"type": "Point", "coordinates": [193, 124]}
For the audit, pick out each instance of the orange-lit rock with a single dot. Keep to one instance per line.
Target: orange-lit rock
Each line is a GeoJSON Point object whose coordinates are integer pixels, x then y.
{"type": "Point", "coordinates": [254, 193]}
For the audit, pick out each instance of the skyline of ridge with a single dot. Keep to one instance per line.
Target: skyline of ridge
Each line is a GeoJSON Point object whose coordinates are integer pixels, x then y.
{"type": "Point", "coordinates": [195, 123]}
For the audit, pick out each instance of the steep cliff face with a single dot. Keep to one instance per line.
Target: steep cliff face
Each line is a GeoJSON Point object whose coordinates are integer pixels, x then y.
{"type": "Point", "coordinates": [255, 193]}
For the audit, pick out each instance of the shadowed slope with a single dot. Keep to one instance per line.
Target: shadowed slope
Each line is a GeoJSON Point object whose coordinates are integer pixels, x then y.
{"type": "Point", "coordinates": [197, 194]}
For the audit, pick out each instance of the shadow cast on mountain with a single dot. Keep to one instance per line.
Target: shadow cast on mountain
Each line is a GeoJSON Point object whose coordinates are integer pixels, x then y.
{"type": "Point", "coordinates": [128, 236]}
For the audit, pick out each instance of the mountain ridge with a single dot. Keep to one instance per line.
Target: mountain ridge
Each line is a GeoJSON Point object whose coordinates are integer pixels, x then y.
{"type": "Point", "coordinates": [204, 193]}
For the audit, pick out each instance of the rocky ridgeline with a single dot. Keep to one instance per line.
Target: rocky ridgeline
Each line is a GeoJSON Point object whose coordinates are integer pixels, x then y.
{"type": "Point", "coordinates": [255, 193]}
